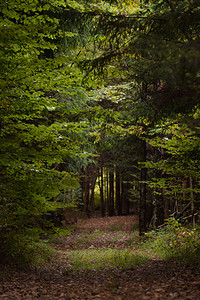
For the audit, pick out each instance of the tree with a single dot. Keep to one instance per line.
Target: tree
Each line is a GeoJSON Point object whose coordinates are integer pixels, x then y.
{"type": "Point", "coordinates": [154, 46]}
{"type": "Point", "coordinates": [38, 82]}
{"type": "Point", "coordinates": [180, 165]}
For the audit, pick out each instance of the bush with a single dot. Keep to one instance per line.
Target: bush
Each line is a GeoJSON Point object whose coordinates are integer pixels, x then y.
{"type": "Point", "coordinates": [24, 248]}
{"type": "Point", "coordinates": [175, 242]}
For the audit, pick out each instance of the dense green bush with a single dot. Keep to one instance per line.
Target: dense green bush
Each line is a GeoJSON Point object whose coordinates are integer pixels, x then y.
{"type": "Point", "coordinates": [24, 249]}
{"type": "Point", "coordinates": [175, 242]}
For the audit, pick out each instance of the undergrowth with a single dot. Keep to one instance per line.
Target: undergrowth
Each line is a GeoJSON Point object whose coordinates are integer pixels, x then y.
{"type": "Point", "coordinates": [25, 250]}
{"type": "Point", "coordinates": [175, 242]}
{"type": "Point", "coordinates": [115, 227]}
{"type": "Point", "coordinates": [27, 247]}
{"type": "Point", "coordinates": [96, 259]}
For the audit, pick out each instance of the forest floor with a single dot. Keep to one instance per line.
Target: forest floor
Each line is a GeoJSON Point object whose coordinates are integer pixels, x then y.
{"type": "Point", "coordinates": [154, 279]}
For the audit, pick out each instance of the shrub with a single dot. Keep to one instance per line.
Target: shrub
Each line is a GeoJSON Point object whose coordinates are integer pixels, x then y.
{"type": "Point", "coordinates": [175, 242]}
{"type": "Point", "coordinates": [22, 248]}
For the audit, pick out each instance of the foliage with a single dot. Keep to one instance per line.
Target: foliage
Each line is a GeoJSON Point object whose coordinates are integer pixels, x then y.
{"type": "Point", "coordinates": [37, 137]}
{"type": "Point", "coordinates": [25, 248]}
{"type": "Point", "coordinates": [155, 48]}
{"type": "Point", "coordinates": [82, 260]}
{"type": "Point", "coordinates": [174, 242]}
{"type": "Point", "coordinates": [149, 46]}
{"type": "Point", "coordinates": [180, 160]}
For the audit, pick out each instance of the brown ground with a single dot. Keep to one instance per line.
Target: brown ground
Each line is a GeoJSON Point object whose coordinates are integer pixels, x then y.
{"type": "Point", "coordinates": [154, 280]}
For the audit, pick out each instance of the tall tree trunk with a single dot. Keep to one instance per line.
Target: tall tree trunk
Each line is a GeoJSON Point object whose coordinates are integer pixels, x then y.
{"type": "Point", "coordinates": [92, 174]}
{"type": "Point", "coordinates": [86, 192]}
{"type": "Point", "coordinates": [111, 194]}
{"type": "Point", "coordinates": [143, 172]}
{"type": "Point", "coordinates": [184, 187]}
{"type": "Point", "coordinates": [143, 176]}
{"type": "Point", "coordinates": [102, 205]}
{"type": "Point", "coordinates": [118, 194]}
{"type": "Point", "coordinates": [164, 198]}
{"type": "Point", "coordinates": [192, 201]}
{"type": "Point", "coordinates": [82, 184]}
{"type": "Point", "coordinates": [92, 187]}
{"type": "Point", "coordinates": [165, 205]}
{"type": "Point", "coordinates": [125, 197]}
{"type": "Point", "coordinates": [107, 189]}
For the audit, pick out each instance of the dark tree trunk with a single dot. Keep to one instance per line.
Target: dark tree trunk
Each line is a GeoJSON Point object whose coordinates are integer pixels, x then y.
{"type": "Point", "coordinates": [127, 198]}
{"type": "Point", "coordinates": [102, 205]}
{"type": "Point", "coordinates": [143, 176]}
{"type": "Point", "coordinates": [143, 172]}
{"type": "Point", "coordinates": [118, 194]}
{"type": "Point", "coordinates": [111, 194]}
{"type": "Point", "coordinates": [91, 173]}
{"type": "Point", "coordinates": [107, 189]}
{"type": "Point", "coordinates": [93, 183]}
{"type": "Point", "coordinates": [91, 177]}
{"type": "Point", "coordinates": [82, 184]}
{"type": "Point", "coordinates": [86, 193]}
{"type": "Point", "coordinates": [125, 188]}
{"type": "Point", "coordinates": [164, 197]}
{"type": "Point", "coordinates": [165, 205]}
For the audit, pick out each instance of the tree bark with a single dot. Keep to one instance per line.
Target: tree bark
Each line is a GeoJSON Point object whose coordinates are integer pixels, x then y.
{"type": "Point", "coordinates": [125, 197]}
{"type": "Point", "coordinates": [143, 176]}
{"type": "Point", "coordinates": [92, 187]}
{"type": "Point", "coordinates": [102, 205]}
{"type": "Point", "coordinates": [86, 192]}
{"type": "Point", "coordinates": [118, 194]}
{"type": "Point", "coordinates": [165, 205]}
{"type": "Point", "coordinates": [192, 201]}
{"type": "Point", "coordinates": [164, 198]}
{"type": "Point", "coordinates": [111, 194]}
{"type": "Point", "coordinates": [107, 189]}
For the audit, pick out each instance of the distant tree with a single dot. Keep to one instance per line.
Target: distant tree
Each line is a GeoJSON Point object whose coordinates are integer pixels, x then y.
{"type": "Point", "coordinates": [153, 45]}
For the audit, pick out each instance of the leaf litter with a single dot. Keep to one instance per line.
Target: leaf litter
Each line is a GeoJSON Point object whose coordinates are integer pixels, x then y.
{"type": "Point", "coordinates": [155, 279]}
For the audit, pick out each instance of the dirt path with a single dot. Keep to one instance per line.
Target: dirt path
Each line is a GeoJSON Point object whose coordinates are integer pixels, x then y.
{"type": "Point", "coordinates": [153, 280]}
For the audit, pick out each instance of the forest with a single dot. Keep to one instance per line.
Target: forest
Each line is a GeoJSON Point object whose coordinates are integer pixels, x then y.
{"type": "Point", "coordinates": [99, 116]}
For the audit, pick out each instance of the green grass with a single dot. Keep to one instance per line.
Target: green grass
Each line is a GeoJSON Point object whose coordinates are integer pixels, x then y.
{"type": "Point", "coordinates": [97, 232]}
{"type": "Point", "coordinates": [84, 240]}
{"type": "Point", "coordinates": [175, 242]}
{"type": "Point", "coordinates": [116, 227]}
{"type": "Point", "coordinates": [132, 241]}
{"type": "Point", "coordinates": [135, 226]}
{"type": "Point", "coordinates": [93, 234]}
{"type": "Point", "coordinates": [96, 259]}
